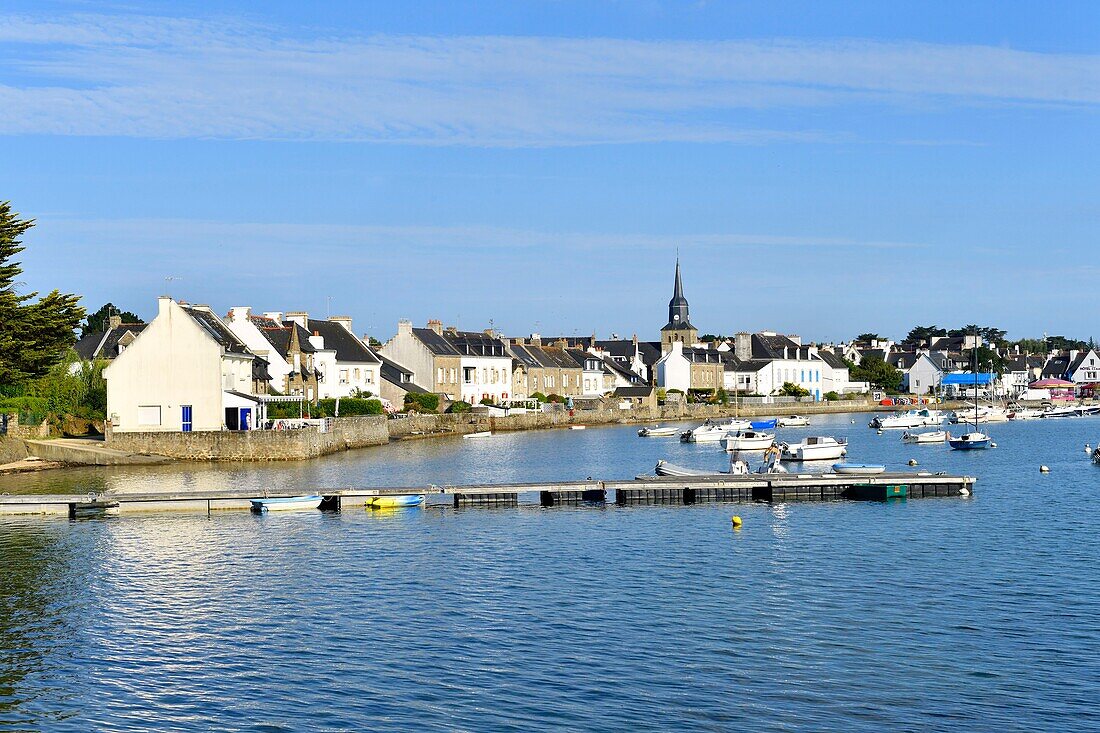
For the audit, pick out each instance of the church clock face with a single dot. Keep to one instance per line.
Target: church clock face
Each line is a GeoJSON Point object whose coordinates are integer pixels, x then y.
{"type": "Point", "coordinates": [676, 317]}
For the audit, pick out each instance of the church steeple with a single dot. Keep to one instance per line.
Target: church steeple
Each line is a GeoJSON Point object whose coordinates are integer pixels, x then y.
{"type": "Point", "coordinates": [679, 326]}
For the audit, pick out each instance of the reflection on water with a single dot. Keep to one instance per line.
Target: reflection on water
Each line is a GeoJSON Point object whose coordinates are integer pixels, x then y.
{"type": "Point", "coordinates": [932, 614]}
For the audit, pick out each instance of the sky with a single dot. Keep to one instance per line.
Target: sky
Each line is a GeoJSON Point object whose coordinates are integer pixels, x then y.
{"type": "Point", "coordinates": [824, 169]}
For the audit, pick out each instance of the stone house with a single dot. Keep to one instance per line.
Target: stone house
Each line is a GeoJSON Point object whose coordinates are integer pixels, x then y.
{"type": "Point", "coordinates": [465, 365]}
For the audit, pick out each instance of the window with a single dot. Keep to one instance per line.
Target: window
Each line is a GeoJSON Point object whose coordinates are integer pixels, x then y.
{"type": "Point", "coordinates": [149, 415]}
{"type": "Point", "coordinates": [343, 376]}
{"type": "Point", "coordinates": [468, 374]}
{"type": "Point", "coordinates": [439, 375]}
{"type": "Point", "coordinates": [356, 375]}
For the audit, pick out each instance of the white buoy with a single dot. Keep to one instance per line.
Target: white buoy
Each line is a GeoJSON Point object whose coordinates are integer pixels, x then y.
{"type": "Point", "coordinates": [912, 461]}
{"type": "Point", "coordinates": [1044, 469]}
{"type": "Point", "coordinates": [1088, 448]}
{"type": "Point", "coordinates": [992, 445]}
{"type": "Point", "coordinates": [879, 432]}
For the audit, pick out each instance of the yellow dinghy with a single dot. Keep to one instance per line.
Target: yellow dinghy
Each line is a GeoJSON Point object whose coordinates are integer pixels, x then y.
{"type": "Point", "coordinates": [395, 502]}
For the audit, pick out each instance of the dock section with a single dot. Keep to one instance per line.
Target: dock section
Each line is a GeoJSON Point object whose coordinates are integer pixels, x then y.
{"type": "Point", "coordinates": [773, 488]}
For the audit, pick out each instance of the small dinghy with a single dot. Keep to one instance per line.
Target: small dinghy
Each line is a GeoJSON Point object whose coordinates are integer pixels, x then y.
{"type": "Point", "coordinates": [394, 502]}
{"type": "Point", "coordinates": [815, 448]}
{"type": "Point", "coordinates": [286, 503]}
{"type": "Point", "coordinates": [931, 436]}
{"type": "Point", "coordinates": [793, 421]}
{"type": "Point", "coordinates": [577, 427]}
{"type": "Point", "coordinates": [864, 469]}
{"type": "Point", "coordinates": [482, 434]}
{"type": "Point", "coordinates": [657, 431]}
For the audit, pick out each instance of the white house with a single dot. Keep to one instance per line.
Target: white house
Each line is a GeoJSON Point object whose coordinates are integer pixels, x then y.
{"type": "Point", "coordinates": [465, 365]}
{"type": "Point", "coordinates": [348, 366]}
{"type": "Point", "coordinates": [186, 371]}
{"type": "Point", "coordinates": [673, 369]}
{"type": "Point", "coordinates": [243, 325]}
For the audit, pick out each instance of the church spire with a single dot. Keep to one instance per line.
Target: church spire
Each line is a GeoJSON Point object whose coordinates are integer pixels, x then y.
{"type": "Point", "coordinates": [678, 288]}
{"type": "Point", "coordinates": [678, 328]}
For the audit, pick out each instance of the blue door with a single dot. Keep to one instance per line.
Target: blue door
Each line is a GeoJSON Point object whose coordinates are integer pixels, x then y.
{"type": "Point", "coordinates": [186, 409]}
{"type": "Point", "coordinates": [245, 420]}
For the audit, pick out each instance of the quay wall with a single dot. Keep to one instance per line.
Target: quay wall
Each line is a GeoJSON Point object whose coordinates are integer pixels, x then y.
{"type": "Point", "coordinates": [372, 430]}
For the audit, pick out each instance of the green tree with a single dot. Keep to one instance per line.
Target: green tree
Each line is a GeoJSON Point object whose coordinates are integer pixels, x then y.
{"type": "Point", "coordinates": [920, 334]}
{"type": "Point", "coordinates": [34, 335]}
{"type": "Point", "coordinates": [790, 389]}
{"type": "Point", "coordinates": [99, 320]}
{"type": "Point", "coordinates": [866, 338]}
{"type": "Point", "coordinates": [876, 371]}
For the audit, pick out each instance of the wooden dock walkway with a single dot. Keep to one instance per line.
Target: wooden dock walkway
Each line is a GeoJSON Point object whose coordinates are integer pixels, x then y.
{"type": "Point", "coordinates": [641, 490]}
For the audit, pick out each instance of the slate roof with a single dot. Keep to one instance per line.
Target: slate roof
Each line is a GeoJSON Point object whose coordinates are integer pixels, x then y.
{"type": "Point", "coordinates": [104, 344]}
{"type": "Point", "coordinates": [903, 360]}
{"type": "Point", "coordinates": [836, 361]}
{"type": "Point", "coordinates": [347, 347]}
{"type": "Point", "coordinates": [639, 391]}
{"type": "Point", "coordinates": [1077, 362]}
{"type": "Point", "coordinates": [1023, 363]}
{"type": "Point", "coordinates": [621, 370]}
{"type": "Point", "coordinates": [260, 372]}
{"type": "Point", "coordinates": [460, 343]}
{"type": "Point", "coordinates": [872, 353]}
{"type": "Point", "coordinates": [216, 329]}
{"type": "Point", "coordinates": [1056, 367]}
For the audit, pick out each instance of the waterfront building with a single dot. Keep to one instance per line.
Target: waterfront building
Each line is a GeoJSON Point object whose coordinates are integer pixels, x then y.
{"type": "Point", "coordinates": [186, 371]}
{"type": "Point", "coordinates": [545, 369]}
{"type": "Point", "coordinates": [396, 382]}
{"type": "Point", "coordinates": [467, 365]}
{"type": "Point", "coordinates": [286, 345]}
{"type": "Point", "coordinates": [109, 343]}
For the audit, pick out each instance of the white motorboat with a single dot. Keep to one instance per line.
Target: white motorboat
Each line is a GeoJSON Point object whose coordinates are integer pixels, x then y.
{"type": "Point", "coordinates": [1066, 411]}
{"type": "Point", "coordinates": [793, 421]}
{"type": "Point", "coordinates": [863, 469]}
{"type": "Point", "coordinates": [907, 420]}
{"type": "Point", "coordinates": [658, 431]}
{"type": "Point", "coordinates": [747, 440]}
{"type": "Point", "coordinates": [1025, 413]}
{"type": "Point", "coordinates": [929, 436]}
{"type": "Point", "coordinates": [482, 434]}
{"type": "Point", "coordinates": [979, 414]}
{"type": "Point", "coordinates": [713, 431]}
{"type": "Point", "coordinates": [286, 503]}
{"type": "Point", "coordinates": [815, 448]}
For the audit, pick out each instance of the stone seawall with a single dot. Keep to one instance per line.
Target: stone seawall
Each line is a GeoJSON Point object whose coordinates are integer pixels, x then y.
{"type": "Point", "coordinates": [257, 445]}
{"type": "Point", "coordinates": [360, 432]}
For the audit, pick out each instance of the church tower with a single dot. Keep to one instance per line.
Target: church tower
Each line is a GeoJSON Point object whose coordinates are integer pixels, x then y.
{"type": "Point", "coordinates": [679, 327]}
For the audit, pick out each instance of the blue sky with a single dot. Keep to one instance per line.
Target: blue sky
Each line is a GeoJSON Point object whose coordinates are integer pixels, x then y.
{"type": "Point", "coordinates": [822, 169]}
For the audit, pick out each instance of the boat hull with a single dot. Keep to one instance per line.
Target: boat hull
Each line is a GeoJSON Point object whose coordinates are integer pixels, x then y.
{"type": "Point", "coordinates": [656, 432]}
{"type": "Point", "coordinates": [395, 502]}
{"type": "Point", "coordinates": [285, 504]}
{"type": "Point", "coordinates": [862, 469]}
{"type": "Point", "coordinates": [938, 436]}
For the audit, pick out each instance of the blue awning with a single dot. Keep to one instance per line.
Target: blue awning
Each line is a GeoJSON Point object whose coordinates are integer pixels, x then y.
{"type": "Point", "coordinates": [967, 378]}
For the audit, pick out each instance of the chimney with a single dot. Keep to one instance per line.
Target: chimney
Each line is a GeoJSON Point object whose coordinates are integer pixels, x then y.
{"type": "Point", "coordinates": [742, 346]}
{"type": "Point", "coordinates": [276, 316]}
{"type": "Point", "coordinates": [536, 339]}
{"type": "Point", "coordinates": [404, 327]}
{"type": "Point", "coordinates": [164, 302]}
{"type": "Point", "coordinates": [240, 313]}
{"type": "Point", "coordinates": [114, 322]}
{"type": "Point", "coordinates": [436, 325]}
{"type": "Point", "coordinates": [452, 330]}
{"type": "Point", "coordinates": [317, 341]}
{"type": "Point", "coordinates": [795, 337]}
{"type": "Point", "coordinates": [344, 321]}
{"type": "Point", "coordinates": [299, 317]}
{"type": "Point", "coordinates": [490, 333]}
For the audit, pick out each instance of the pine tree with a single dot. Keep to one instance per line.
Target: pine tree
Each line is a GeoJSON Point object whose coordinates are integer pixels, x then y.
{"type": "Point", "coordinates": [33, 335]}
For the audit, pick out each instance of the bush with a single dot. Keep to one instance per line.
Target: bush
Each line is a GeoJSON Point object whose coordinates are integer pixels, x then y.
{"type": "Point", "coordinates": [349, 407]}
{"type": "Point", "coordinates": [661, 395]}
{"type": "Point", "coordinates": [421, 402]}
{"type": "Point", "coordinates": [487, 401]}
{"type": "Point", "coordinates": [283, 410]}
{"type": "Point", "coordinates": [556, 398]}
{"type": "Point", "coordinates": [790, 389]}
{"type": "Point", "coordinates": [674, 391]}
{"type": "Point", "coordinates": [538, 396]}
{"type": "Point", "coordinates": [831, 396]}
{"type": "Point", "coordinates": [459, 406]}
{"type": "Point", "coordinates": [721, 396]}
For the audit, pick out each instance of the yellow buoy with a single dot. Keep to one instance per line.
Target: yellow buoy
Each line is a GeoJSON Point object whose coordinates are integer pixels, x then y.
{"type": "Point", "coordinates": [736, 521]}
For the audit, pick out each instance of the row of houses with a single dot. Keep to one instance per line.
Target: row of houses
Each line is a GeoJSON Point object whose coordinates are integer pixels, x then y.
{"type": "Point", "coordinates": [923, 368]}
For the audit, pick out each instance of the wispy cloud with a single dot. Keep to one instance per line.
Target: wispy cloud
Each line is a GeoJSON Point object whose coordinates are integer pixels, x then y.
{"type": "Point", "coordinates": [355, 242]}
{"type": "Point", "coordinates": [172, 78]}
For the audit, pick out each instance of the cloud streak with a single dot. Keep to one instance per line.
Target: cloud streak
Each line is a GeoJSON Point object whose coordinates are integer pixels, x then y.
{"type": "Point", "coordinates": [181, 78]}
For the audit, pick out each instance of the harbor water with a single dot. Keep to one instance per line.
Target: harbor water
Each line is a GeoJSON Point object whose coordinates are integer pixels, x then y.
{"type": "Point", "coordinates": [976, 614]}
